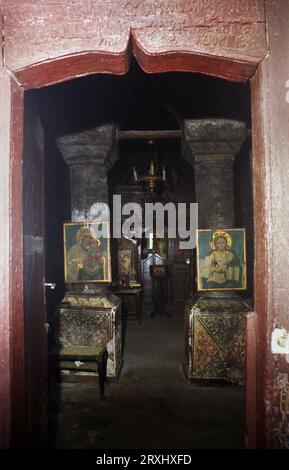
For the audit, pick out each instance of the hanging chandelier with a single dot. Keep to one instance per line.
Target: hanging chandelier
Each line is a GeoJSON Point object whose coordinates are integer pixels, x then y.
{"type": "Point", "coordinates": [153, 176]}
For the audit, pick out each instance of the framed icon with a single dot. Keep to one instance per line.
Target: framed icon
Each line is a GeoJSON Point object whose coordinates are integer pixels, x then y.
{"type": "Point", "coordinates": [86, 252]}
{"type": "Point", "coordinates": [127, 259]}
{"type": "Point", "coordinates": [221, 259]}
{"type": "Point", "coordinates": [159, 271]}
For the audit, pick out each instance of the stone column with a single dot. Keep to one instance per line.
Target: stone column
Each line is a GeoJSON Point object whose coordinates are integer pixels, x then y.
{"type": "Point", "coordinates": [89, 155]}
{"type": "Point", "coordinates": [89, 314]}
{"type": "Point", "coordinates": [210, 145]}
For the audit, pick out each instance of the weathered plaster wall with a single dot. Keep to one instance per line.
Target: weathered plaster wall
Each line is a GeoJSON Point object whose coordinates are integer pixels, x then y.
{"type": "Point", "coordinates": [97, 36]}
{"type": "Point", "coordinates": [270, 103]}
{"type": "Point", "coordinates": [5, 93]}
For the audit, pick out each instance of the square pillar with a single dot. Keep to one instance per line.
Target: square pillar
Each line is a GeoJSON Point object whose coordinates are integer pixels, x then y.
{"type": "Point", "coordinates": [211, 146]}
{"type": "Point", "coordinates": [214, 333]}
{"type": "Point", "coordinates": [90, 314]}
{"type": "Point", "coordinates": [89, 156]}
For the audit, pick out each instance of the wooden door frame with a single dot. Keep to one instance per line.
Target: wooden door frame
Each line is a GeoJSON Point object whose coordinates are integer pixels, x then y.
{"type": "Point", "coordinates": [12, 366]}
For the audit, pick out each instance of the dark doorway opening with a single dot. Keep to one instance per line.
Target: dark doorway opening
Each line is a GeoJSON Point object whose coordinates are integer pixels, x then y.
{"type": "Point", "coordinates": [134, 101]}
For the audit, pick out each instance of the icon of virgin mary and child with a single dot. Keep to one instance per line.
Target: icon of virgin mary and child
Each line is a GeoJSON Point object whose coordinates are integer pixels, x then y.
{"type": "Point", "coordinates": [84, 259]}
{"type": "Point", "coordinates": [221, 268]}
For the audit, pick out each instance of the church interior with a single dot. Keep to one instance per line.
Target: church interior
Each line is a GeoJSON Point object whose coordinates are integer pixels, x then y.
{"type": "Point", "coordinates": [144, 175]}
{"type": "Point", "coordinates": [170, 345]}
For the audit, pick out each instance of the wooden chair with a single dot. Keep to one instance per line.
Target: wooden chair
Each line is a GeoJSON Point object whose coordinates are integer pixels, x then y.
{"type": "Point", "coordinates": [76, 358]}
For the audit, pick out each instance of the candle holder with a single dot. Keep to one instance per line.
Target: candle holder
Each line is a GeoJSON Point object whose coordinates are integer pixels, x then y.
{"type": "Point", "coordinates": [153, 177]}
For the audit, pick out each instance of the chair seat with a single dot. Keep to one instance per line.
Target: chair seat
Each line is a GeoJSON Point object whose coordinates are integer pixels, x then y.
{"type": "Point", "coordinates": [65, 357]}
{"type": "Point", "coordinates": [79, 352]}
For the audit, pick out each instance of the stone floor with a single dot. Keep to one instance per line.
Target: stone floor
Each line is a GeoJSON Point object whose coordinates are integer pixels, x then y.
{"type": "Point", "coordinates": [151, 406]}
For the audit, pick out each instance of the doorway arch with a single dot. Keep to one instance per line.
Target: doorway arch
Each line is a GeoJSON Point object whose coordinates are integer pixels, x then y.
{"type": "Point", "coordinates": [62, 68]}
{"type": "Point", "coordinates": [21, 72]}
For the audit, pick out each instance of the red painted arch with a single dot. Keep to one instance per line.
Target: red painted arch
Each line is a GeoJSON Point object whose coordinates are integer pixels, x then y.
{"type": "Point", "coordinates": [67, 67]}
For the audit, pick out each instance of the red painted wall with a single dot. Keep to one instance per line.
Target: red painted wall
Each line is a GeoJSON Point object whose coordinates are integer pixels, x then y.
{"type": "Point", "coordinates": [271, 165]}
{"type": "Point", "coordinates": [47, 42]}
{"type": "Point", "coordinates": [44, 44]}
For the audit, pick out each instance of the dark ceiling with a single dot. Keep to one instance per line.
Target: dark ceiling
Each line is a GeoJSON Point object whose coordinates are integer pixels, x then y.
{"type": "Point", "coordinates": [139, 100]}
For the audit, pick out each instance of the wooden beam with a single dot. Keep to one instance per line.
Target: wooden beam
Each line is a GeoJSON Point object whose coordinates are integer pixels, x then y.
{"type": "Point", "coordinates": [147, 135]}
